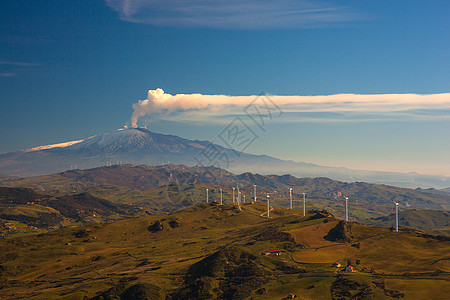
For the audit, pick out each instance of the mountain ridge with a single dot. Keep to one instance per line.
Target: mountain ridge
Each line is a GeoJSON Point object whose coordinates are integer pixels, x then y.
{"type": "Point", "coordinates": [132, 181]}
{"type": "Point", "coordinates": [439, 221]}
{"type": "Point", "coordinates": [140, 146]}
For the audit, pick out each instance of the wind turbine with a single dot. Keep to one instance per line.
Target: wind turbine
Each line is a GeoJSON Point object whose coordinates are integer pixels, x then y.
{"type": "Point", "coordinates": [207, 196]}
{"type": "Point", "coordinates": [221, 196]}
{"type": "Point", "coordinates": [254, 193]}
{"type": "Point", "coordinates": [346, 208]}
{"type": "Point", "coordinates": [238, 194]}
{"type": "Point", "coordinates": [244, 198]}
{"type": "Point", "coordinates": [346, 203]}
{"type": "Point", "coordinates": [268, 206]}
{"type": "Point", "coordinates": [233, 195]}
{"type": "Point", "coordinates": [396, 214]}
{"type": "Point", "coordinates": [290, 198]}
{"type": "Point", "coordinates": [304, 205]}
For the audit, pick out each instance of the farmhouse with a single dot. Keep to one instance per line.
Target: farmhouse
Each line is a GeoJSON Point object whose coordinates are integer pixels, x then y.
{"type": "Point", "coordinates": [336, 265]}
{"type": "Point", "coordinates": [349, 269]}
{"type": "Point", "coordinates": [272, 252]}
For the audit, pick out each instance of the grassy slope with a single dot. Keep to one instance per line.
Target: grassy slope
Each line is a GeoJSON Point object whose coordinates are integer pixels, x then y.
{"type": "Point", "coordinates": [126, 252]}
{"type": "Point", "coordinates": [437, 221]}
{"type": "Point", "coordinates": [170, 188]}
{"type": "Point", "coordinates": [24, 211]}
{"type": "Point", "coordinates": [116, 179]}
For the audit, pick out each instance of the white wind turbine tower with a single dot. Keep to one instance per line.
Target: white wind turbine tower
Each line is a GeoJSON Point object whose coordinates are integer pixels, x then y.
{"type": "Point", "coordinates": [244, 198]}
{"type": "Point", "coordinates": [268, 206]}
{"type": "Point", "coordinates": [221, 196]}
{"type": "Point", "coordinates": [233, 195]}
{"type": "Point", "coordinates": [396, 214]}
{"type": "Point", "coordinates": [238, 195]}
{"type": "Point", "coordinates": [290, 198]}
{"type": "Point", "coordinates": [304, 205]}
{"type": "Point", "coordinates": [207, 196]}
{"type": "Point", "coordinates": [346, 208]}
{"type": "Point", "coordinates": [254, 193]}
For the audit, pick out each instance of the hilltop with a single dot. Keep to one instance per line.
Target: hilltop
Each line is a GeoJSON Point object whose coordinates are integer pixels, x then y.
{"type": "Point", "coordinates": [437, 222]}
{"type": "Point", "coordinates": [218, 252]}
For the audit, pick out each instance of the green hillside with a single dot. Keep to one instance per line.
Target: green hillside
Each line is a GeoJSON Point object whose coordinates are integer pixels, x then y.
{"type": "Point", "coordinates": [169, 188]}
{"type": "Point", "coordinates": [210, 251]}
{"type": "Point", "coordinates": [23, 211]}
{"type": "Point", "coordinates": [433, 220]}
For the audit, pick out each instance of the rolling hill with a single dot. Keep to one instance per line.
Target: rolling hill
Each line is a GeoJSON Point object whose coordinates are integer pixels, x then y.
{"type": "Point", "coordinates": [140, 146]}
{"type": "Point", "coordinates": [25, 211]}
{"type": "Point", "coordinates": [445, 191]}
{"type": "Point", "coordinates": [434, 221]}
{"type": "Point", "coordinates": [171, 187]}
{"type": "Point", "coordinates": [210, 251]}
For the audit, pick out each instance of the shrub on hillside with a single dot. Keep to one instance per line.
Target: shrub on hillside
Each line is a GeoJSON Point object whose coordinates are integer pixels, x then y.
{"type": "Point", "coordinates": [155, 227]}
{"type": "Point", "coordinates": [342, 232]}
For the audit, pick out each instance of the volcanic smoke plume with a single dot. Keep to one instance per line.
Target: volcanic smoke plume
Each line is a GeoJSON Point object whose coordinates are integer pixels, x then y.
{"type": "Point", "coordinates": [146, 106]}
{"type": "Point", "coordinates": [158, 101]}
{"type": "Point", "coordinates": [388, 106]}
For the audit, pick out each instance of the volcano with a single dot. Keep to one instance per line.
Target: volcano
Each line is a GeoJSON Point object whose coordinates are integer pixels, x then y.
{"type": "Point", "coordinates": [126, 145]}
{"type": "Point", "coordinates": [141, 146]}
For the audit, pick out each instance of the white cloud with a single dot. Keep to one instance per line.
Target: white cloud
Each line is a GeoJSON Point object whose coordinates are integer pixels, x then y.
{"type": "Point", "coordinates": [325, 108]}
{"type": "Point", "coordinates": [7, 74]}
{"type": "Point", "coordinates": [12, 68]}
{"type": "Point", "coordinates": [241, 14]}
{"type": "Point", "coordinates": [18, 63]}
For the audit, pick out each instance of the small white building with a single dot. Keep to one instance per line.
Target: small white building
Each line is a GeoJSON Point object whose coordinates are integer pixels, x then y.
{"type": "Point", "coordinates": [336, 265]}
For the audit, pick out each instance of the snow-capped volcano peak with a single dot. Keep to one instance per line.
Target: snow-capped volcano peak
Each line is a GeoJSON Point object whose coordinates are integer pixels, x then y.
{"type": "Point", "coordinates": [129, 138]}
{"type": "Point", "coordinates": [127, 144]}
{"type": "Point", "coordinates": [126, 139]}
{"type": "Point", "coordinates": [122, 138]}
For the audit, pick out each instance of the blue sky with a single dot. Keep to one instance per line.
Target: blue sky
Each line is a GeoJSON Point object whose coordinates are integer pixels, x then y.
{"type": "Point", "coordinates": [72, 69]}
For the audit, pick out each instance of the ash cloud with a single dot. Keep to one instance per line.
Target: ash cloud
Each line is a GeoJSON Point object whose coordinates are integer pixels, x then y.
{"type": "Point", "coordinates": [199, 107]}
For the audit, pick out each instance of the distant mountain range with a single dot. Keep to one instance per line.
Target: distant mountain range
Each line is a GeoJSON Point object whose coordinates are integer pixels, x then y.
{"type": "Point", "coordinates": [140, 146]}
{"type": "Point", "coordinates": [149, 186]}
{"type": "Point", "coordinates": [445, 191]}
